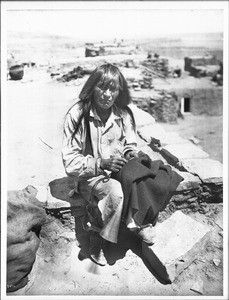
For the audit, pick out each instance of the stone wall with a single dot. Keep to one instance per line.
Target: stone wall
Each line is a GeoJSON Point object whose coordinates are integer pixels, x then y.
{"type": "Point", "coordinates": [163, 107]}
{"type": "Point", "coordinates": [199, 66]}
{"type": "Point", "coordinates": [203, 101]}
{"type": "Point", "coordinates": [199, 61]}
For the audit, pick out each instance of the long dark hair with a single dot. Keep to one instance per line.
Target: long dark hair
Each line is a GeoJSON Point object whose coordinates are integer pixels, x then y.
{"type": "Point", "coordinates": [103, 76]}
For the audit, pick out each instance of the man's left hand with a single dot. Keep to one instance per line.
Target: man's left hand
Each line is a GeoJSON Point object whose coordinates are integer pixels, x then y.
{"type": "Point", "coordinates": [131, 154]}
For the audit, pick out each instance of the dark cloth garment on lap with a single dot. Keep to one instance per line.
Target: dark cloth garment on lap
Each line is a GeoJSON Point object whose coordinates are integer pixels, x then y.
{"type": "Point", "coordinates": [147, 186]}
{"type": "Point", "coordinates": [25, 217]}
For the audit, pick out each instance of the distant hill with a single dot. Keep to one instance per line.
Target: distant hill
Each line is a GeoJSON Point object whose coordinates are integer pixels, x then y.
{"type": "Point", "coordinates": [179, 46]}
{"type": "Point", "coordinates": [43, 48]}
{"type": "Point", "coordinates": [50, 49]}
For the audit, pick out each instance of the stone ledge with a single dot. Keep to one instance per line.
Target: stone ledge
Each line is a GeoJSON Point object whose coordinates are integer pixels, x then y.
{"type": "Point", "coordinates": [186, 151]}
{"type": "Point", "coordinates": [156, 131]}
{"type": "Point", "coordinates": [178, 241]}
{"type": "Point", "coordinates": [190, 182]}
{"type": "Point", "coordinates": [152, 130]}
{"type": "Point", "coordinates": [174, 138]}
{"type": "Point", "coordinates": [141, 117]}
{"type": "Point", "coordinates": [206, 168]}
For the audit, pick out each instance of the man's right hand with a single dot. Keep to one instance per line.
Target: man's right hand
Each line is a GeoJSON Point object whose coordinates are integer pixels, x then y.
{"type": "Point", "coordinates": [113, 164]}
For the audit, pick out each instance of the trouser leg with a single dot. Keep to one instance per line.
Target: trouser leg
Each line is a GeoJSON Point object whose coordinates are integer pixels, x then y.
{"type": "Point", "coordinates": [110, 203]}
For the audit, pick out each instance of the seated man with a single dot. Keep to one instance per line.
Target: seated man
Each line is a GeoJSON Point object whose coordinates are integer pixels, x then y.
{"type": "Point", "coordinates": [99, 140]}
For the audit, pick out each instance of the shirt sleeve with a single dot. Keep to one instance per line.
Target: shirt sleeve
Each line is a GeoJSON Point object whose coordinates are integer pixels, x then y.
{"type": "Point", "coordinates": [75, 162]}
{"type": "Point", "coordinates": [130, 133]}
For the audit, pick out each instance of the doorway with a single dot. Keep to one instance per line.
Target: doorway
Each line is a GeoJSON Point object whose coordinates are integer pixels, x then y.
{"type": "Point", "coordinates": [185, 105]}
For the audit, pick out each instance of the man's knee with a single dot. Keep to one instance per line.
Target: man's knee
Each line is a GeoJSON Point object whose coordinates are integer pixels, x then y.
{"type": "Point", "coordinates": [111, 188]}
{"type": "Point", "coordinates": [116, 190]}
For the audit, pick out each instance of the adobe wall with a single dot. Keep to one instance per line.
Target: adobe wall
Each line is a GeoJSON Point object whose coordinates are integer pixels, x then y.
{"type": "Point", "coordinates": [203, 101]}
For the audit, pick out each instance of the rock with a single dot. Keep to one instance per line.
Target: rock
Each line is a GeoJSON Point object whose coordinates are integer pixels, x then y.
{"type": "Point", "coordinates": [192, 200]}
{"type": "Point", "coordinates": [205, 168]}
{"type": "Point", "coordinates": [204, 210]}
{"type": "Point", "coordinates": [172, 138]}
{"type": "Point", "coordinates": [142, 118]}
{"type": "Point", "coordinates": [68, 235]}
{"type": "Point", "coordinates": [190, 181]}
{"type": "Point", "coordinates": [178, 242]}
{"type": "Point", "coordinates": [48, 259]}
{"type": "Point", "coordinates": [201, 259]}
{"type": "Point", "coordinates": [53, 202]}
{"type": "Point", "coordinates": [31, 190]}
{"type": "Point", "coordinates": [186, 151]}
{"type": "Point", "coordinates": [194, 140]}
{"type": "Point", "coordinates": [151, 131]}
{"type": "Point", "coordinates": [198, 287]}
{"type": "Point", "coordinates": [216, 261]}
{"type": "Point", "coordinates": [42, 193]}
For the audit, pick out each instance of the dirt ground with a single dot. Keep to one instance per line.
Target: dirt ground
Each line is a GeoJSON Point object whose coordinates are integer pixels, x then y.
{"type": "Point", "coordinates": [208, 130]}
{"type": "Point", "coordinates": [33, 116]}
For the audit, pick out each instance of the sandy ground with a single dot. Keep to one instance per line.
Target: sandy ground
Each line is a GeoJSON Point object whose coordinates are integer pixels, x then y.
{"type": "Point", "coordinates": [33, 113]}
{"type": "Point", "coordinates": [208, 130]}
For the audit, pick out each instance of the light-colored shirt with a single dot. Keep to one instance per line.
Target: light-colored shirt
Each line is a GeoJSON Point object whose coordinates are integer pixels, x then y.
{"type": "Point", "coordinates": [116, 137]}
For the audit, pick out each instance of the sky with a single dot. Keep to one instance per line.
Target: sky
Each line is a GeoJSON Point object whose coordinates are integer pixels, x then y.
{"type": "Point", "coordinates": [109, 20]}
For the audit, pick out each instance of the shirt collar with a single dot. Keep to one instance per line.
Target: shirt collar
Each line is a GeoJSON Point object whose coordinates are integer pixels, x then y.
{"type": "Point", "coordinates": [115, 115]}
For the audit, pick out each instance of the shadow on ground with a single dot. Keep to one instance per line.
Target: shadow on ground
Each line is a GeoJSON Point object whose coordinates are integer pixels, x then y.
{"type": "Point", "coordinates": [59, 189]}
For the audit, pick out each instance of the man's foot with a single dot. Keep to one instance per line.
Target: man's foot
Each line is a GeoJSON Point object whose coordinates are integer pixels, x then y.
{"type": "Point", "coordinates": [146, 234]}
{"type": "Point", "coordinates": [97, 256]}
{"type": "Point", "coordinates": [96, 249]}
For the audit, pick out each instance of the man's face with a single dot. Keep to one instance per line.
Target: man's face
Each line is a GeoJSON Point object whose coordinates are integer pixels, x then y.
{"type": "Point", "coordinates": [105, 97]}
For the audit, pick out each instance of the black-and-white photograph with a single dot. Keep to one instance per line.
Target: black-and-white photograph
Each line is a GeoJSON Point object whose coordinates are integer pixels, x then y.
{"type": "Point", "coordinates": [114, 148]}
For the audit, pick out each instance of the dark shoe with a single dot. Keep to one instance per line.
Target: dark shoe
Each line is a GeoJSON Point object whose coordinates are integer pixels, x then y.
{"type": "Point", "coordinates": [97, 256]}
{"type": "Point", "coordinates": [146, 234]}
{"type": "Point", "coordinates": [96, 249]}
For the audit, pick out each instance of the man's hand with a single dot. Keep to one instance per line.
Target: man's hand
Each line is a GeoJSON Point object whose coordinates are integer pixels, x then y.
{"type": "Point", "coordinates": [113, 164]}
{"type": "Point", "coordinates": [131, 154]}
